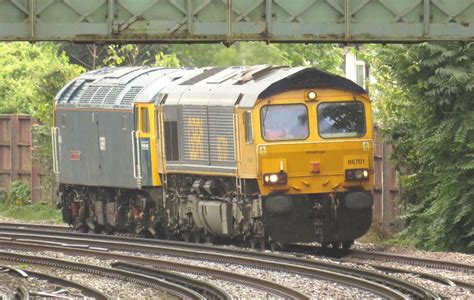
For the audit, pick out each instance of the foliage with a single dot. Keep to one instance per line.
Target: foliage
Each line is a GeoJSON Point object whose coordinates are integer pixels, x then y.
{"type": "Point", "coordinates": [30, 77]}
{"type": "Point", "coordinates": [41, 135]}
{"type": "Point", "coordinates": [424, 101]}
{"type": "Point", "coordinates": [167, 60]}
{"type": "Point", "coordinates": [33, 212]}
{"type": "Point", "coordinates": [19, 194]}
{"type": "Point", "coordinates": [326, 57]}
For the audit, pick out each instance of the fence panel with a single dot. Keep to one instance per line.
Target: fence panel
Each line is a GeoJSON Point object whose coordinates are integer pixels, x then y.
{"type": "Point", "coordinates": [386, 186]}
{"type": "Point", "coordinates": [16, 152]}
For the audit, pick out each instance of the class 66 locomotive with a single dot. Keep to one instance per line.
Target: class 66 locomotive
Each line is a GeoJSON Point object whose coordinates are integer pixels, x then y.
{"type": "Point", "coordinates": [266, 154]}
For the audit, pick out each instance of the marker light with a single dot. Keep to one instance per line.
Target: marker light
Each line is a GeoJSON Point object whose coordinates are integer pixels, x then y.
{"type": "Point", "coordinates": [357, 174]}
{"type": "Point", "coordinates": [311, 95]}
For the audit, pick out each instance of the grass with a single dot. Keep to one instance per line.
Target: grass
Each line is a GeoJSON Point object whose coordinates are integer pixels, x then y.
{"type": "Point", "coordinates": [33, 212]}
{"type": "Point", "coordinates": [376, 235]}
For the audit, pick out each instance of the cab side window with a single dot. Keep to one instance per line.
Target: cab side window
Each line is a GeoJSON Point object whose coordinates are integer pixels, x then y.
{"type": "Point", "coordinates": [145, 124]}
{"type": "Point", "coordinates": [248, 127]}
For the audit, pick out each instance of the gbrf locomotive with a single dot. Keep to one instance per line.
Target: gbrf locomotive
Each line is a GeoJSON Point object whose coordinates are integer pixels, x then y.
{"type": "Point", "coordinates": [268, 154]}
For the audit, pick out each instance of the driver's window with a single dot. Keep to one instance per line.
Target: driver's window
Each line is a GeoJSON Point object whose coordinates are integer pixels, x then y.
{"type": "Point", "coordinates": [145, 122]}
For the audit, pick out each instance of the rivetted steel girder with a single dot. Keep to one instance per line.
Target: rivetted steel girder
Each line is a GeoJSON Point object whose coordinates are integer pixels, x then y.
{"type": "Point", "coordinates": [189, 21]}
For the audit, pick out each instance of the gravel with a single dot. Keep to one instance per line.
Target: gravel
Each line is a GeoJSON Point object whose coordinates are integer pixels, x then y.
{"type": "Point", "coordinates": [315, 288]}
{"type": "Point", "coordinates": [113, 288]}
{"type": "Point", "coordinates": [10, 282]}
{"type": "Point", "coordinates": [409, 251]}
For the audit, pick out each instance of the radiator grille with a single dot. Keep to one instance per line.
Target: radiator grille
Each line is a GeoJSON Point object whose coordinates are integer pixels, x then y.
{"type": "Point", "coordinates": [221, 134]}
{"type": "Point", "coordinates": [196, 140]}
{"type": "Point", "coordinates": [131, 95]}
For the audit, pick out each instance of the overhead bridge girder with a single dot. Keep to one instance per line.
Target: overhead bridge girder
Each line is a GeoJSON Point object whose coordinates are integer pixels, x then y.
{"type": "Point", "coordinates": [194, 21]}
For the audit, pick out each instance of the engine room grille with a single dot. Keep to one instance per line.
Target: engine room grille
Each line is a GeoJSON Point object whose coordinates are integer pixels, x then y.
{"type": "Point", "coordinates": [131, 95]}
{"type": "Point", "coordinates": [99, 96]}
{"type": "Point", "coordinates": [88, 94]}
{"type": "Point", "coordinates": [195, 133]}
{"type": "Point", "coordinates": [113, 95]}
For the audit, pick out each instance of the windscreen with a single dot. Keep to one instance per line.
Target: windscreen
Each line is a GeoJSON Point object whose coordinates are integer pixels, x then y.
{"type": "Point", "coordinates": [341, 119]}
{"type": "Point", "coordinates": [284, 122]}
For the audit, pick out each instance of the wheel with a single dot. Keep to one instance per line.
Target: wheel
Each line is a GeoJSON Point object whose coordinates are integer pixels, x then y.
{"type": "Point", "coordinates": [346, 245]}
{"type": "Point", "coordinates": [262, 243]}
{"type": "Point", "coordinates": [208, 239]}
{"type": "Point", "coordinates": [252, 243]}
{"type": "Point", "coordinates": [273, 246]}
{"type": "Point", "coordinates": [336, 245]}
{"type": "Point", "coordinates": [186, 237]}
{"type": "Point", "coordinates": [198, 237]}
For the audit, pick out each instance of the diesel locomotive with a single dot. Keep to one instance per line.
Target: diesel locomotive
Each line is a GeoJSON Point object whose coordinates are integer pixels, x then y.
{"type": "Point", "coordinates": [266, 154]}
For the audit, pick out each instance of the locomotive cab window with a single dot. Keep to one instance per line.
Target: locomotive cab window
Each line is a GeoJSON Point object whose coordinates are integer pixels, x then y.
{"type": "Point", "coordinates": [248, 127]}
{"type": "Point", "coordinates": [341, 119]}
{"type": "Point", "coordinates": [284, 122]}
{"type": "Point", "coordinates": [145, 123]}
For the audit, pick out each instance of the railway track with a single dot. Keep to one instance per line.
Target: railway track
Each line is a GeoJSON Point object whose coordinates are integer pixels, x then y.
{"type": "Point", "coordinates": [380, 284]}
{"type": "Point", "coordinates": [180, 292]}
{"type": "Point", "coordinates": [409, 260]}
{"type": "Point", "coordinates": [25, 294]}
{"type": "Point", "coordinates": [271, 288]}
{"type": "Point", "coordinates": [349, 255]}
{"type": "Point", "coordinates": [358, 254]}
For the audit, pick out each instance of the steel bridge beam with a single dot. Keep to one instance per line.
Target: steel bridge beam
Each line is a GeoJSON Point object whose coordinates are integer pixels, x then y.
{"type": "Point", "coordinates": [213, 21]}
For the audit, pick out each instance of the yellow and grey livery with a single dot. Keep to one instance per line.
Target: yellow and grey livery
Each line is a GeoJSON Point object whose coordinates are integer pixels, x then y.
{"type": "Point", "coordinates": [264, 153]}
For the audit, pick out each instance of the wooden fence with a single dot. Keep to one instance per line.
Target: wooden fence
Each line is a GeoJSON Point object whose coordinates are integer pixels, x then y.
{"type": "Point", "coordinates": [386, 188]}
{"type": "Point", "coordinates": [16, 153]}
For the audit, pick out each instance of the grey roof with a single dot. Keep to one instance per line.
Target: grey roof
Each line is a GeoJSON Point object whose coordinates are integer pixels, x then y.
{"type": "Point", "coordinates": [220, 86]}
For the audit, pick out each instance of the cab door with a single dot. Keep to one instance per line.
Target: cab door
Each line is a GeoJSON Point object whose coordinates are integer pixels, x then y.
{"type": "Point", "coordinates": [145, 151]}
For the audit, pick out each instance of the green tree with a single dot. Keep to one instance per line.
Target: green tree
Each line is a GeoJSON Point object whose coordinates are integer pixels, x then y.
{"type": "Point", "coordinates": [325, 57]}
{"type": "Point", "coordinates": [424, 99]}
{"type": "Point", "coordinates": [30, 77]}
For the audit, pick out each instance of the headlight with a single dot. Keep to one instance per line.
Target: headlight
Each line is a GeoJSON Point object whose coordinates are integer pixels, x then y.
{"type": "Point", "coordinates": [357, 174]}
{"type": "Point", "coordinates": [275, 178]}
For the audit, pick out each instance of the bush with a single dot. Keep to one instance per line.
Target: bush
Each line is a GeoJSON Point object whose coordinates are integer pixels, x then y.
{"type": "Point", "coordinates": [20, 193]}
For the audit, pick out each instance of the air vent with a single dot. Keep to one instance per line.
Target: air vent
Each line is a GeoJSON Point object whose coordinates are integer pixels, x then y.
{"type": "Point", "coordinates": [131, 95]}
{"type": "Point", "coordinates": [113, 95]}
{"type": "Point", "coordinates": [88, 94]}
{"type": "Point", "coordinates": [67, 93]}
{"type": "Point", "coordinates": [99, 96]}
{"type": "Point", "coordinates": [76, 94]}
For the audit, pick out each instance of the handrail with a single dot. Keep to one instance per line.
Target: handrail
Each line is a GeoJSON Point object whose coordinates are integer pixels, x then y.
{"type": "Point", "coordinates": [133, 155]}
{"type": "Point", "coordinates": [53, 148]}
{"type": "Point", "coordinates": [139, 159]}
{"type": "Point", "coordinates": [58, 150]}
{"type": "Point", "coordinates": [54, 145]}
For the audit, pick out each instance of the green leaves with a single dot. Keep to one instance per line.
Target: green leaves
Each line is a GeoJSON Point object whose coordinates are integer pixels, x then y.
{"type": "Point", "coordinates": [30, 77]}
{"type": "Point", "coordinates": [426, 95]}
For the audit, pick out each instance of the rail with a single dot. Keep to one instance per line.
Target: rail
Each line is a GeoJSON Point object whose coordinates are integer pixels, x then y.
{"type": "Point", "coordinates": [334, 272]}
{"type": "Point", "coordinates": [179, 291]}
